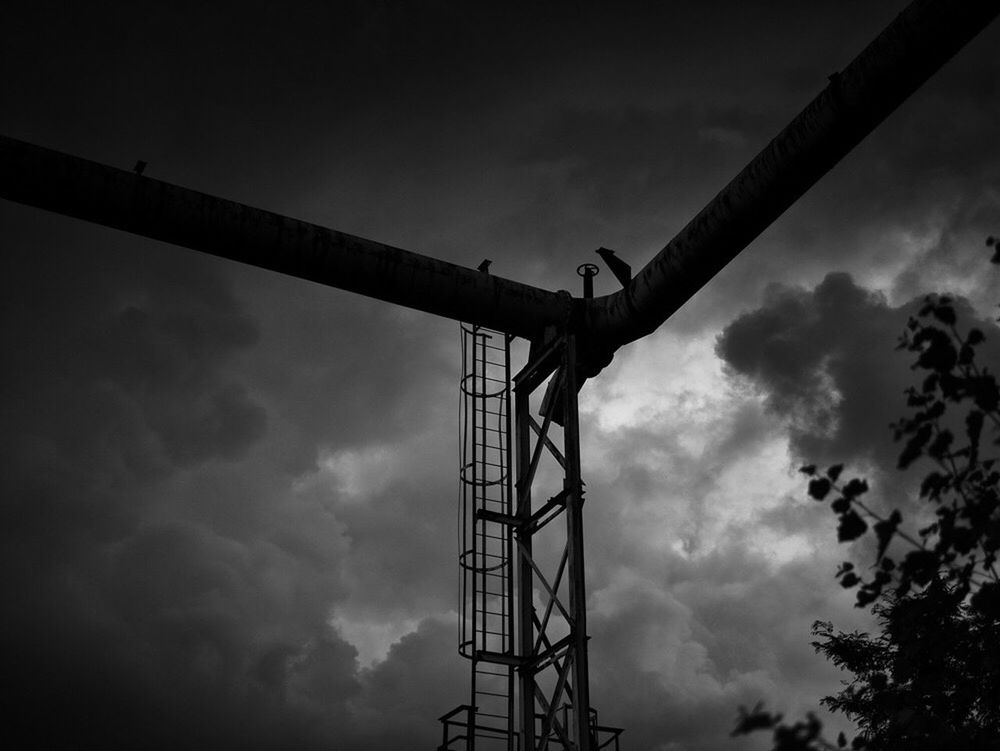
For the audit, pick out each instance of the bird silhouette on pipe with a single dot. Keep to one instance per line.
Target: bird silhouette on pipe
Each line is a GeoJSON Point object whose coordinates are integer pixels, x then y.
{"type": "Point", "coordinates": [621, 270]}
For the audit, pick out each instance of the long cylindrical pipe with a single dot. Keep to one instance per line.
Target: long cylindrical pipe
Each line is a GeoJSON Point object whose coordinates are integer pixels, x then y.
{"type": "Point", "coordinates": [916, 44]}
{"type": "Point", "coordinates": [152, 208]}
{"type": "Point", "coordinates": [908, 51]}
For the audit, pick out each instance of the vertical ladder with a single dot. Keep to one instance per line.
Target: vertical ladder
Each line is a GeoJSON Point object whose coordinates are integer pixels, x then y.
{"type": "Point", "coordinates": [501, 632]}
{"type": "Point", "coordinates": [486, 547]}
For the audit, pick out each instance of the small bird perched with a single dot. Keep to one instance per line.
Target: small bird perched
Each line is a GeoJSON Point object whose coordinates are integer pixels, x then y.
{"type": "Point", "coordinates": [621, 270]}
{"type": "Point", "coordinates": [139, 167]}
{"type": "Point", "coordinates": [484, 266]}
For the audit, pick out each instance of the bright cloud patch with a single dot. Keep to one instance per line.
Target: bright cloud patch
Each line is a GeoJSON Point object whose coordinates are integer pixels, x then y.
{"type": "Point", "coordinates": [356, 473]}
{"type": "Point", "coordinates": [686, 451]}
{"type": "Point", "coordinates": [373, 638]}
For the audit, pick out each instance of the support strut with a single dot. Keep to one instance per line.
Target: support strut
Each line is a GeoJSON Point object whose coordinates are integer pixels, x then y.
{"type": "Point", "coordinates": [553, 675]}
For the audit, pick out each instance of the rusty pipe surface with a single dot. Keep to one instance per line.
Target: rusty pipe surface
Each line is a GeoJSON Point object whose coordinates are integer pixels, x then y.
{"type": "Point", "coordinates": [900, 59]}
{"type": "Point", "coordinates": [152, 208]}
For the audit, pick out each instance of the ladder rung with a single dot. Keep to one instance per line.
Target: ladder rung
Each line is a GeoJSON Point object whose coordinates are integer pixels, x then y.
{"type": "Point", "coordinates": [498, 453]}
{"type": "Point", "coordinates": [480, 671]}
{"type": "Point", "coordinates": [498, 658]}
{"type": "Point", "coordinates": [491, 693]}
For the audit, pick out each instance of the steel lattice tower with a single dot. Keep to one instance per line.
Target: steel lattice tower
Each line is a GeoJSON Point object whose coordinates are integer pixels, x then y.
{"type": "Point", "coordinates": [522, 619]}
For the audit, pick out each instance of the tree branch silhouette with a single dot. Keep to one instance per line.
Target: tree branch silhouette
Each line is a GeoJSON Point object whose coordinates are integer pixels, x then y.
{"type": "Point", "coordinates": [930, 679]}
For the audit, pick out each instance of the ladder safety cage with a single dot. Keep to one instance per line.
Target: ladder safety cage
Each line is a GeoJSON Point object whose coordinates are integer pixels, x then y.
{"type": "Point", "coordinates": [486, 544]}
{"type": "Point", "coordinates": [522, 613]}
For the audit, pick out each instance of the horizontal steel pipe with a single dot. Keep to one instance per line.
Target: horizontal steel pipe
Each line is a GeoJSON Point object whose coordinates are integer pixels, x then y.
{"type": "Point", "coordinates": [900, 59]}
{"type": "Point", "coordinates": [127, 201]}
{"type": "Point", "coordinates": [915, 45]}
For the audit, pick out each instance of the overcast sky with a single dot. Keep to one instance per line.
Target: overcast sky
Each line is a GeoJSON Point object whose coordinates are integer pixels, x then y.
{"type": "Point", "coordinates": [228, 496]}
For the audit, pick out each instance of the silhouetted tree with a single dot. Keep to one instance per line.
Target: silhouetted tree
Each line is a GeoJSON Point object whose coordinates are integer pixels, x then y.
{"type": "Point", "coordinates": [930, 679]}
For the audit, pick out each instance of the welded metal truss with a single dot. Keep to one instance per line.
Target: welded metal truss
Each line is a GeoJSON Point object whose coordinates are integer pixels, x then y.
{"type": "Point", "coordinates": [553, 671]}
{"type": "Point", "coordinates": [548, 656]}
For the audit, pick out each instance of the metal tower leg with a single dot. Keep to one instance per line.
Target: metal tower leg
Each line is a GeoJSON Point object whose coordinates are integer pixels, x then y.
{"type": "Point", "coordinates": [554, 697]}
{"type": "Point", "coordinates": [525, 605]}
{"type": "Point", "coordinates": [574, 544]}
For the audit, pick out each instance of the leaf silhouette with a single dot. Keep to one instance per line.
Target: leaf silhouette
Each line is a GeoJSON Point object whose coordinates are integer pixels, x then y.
{"type": "Point", "coordinates": [819, 487]}
{"type": "Point", "coordinates": [851, 527]}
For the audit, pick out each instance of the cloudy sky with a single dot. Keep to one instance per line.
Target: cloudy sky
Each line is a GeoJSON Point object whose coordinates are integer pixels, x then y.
{"type": "Point", "coordinates": [228, 497]}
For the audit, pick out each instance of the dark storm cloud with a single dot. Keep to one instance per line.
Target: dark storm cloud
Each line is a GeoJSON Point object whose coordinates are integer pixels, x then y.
{"type": "Point", "coordinates": [402, 549]}
{"type": "Point", "coordinates": [619, 175]}
{"type": "Point", "coordinates": [151, 336]}
{"type": "Point", "coordinates": [675, 653]}
{"type": "Point", "coordinates": [138, 620]}
{"type": "Point", "coordinates": [331, 335]}
{"type": "Point", "coordinates": [955, 257]}
{"type": "Point", "coordinates": [913, 202]}
{"type": "Point", "coordinates": [826, 359]}
{"type": "Point", "coordinates": [121, 377]}
{"type": "Point", "coordinates": [166, 577]}
{"type": "Point", "coordinates": [652, 152]}
{"type": "Point", "coordinates": [412, 685]}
